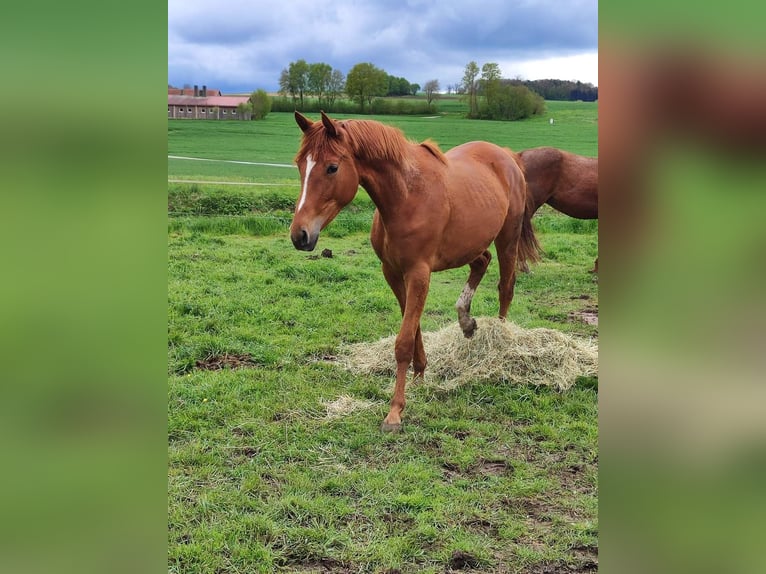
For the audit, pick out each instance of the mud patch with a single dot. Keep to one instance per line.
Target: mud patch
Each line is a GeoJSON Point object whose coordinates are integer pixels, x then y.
{"type": "Point", "coordinates": [588, 316]}
{"type": "Point", "coordinates": [494, 467]}
{"type": "Point", "coordinates": [463, 560]}
{"type": "Point", "coordinates": [226, 361]}
{"type": "Point", "coordinates": [560, 568]}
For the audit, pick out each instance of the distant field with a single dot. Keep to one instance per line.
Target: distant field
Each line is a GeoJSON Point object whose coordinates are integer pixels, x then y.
{"type": "Point", "coordinates": [276, 139]}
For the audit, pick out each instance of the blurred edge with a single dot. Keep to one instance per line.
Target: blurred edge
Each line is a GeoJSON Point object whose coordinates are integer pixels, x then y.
{"type": "Point", "coordinates": [682, 144]}
{"type": "Point", "coordinates": [83, 305]}
{"type": "Point", "coordinates": [682, 282]}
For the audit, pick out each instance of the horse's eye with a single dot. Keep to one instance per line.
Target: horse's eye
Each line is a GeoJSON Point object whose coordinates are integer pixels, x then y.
{"type": "Point", "coordinates": [332, 168]}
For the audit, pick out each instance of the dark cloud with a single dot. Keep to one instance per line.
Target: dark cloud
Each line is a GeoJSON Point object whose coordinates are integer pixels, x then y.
{"type": "Point", "coordinates": [241, 46]}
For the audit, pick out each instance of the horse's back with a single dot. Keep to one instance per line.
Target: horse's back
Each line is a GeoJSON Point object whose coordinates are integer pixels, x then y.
{"type": "Point", "coordinates": [566, 181]}
{"type": "Point", "coordinates": [499, 165]}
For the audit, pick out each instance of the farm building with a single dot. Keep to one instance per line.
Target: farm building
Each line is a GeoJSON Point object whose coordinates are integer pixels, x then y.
{"type": "Point", "coordinates": [204, 104]}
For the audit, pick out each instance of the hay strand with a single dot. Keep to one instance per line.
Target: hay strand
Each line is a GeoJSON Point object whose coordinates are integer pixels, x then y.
{"type": "Point", "coordinates": [344, 405]}
{"type": "Point", "coordinates": [499, 351]}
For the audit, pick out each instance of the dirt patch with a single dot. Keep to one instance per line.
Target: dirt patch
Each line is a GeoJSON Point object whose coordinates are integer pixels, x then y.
{"type": "Point", "coordinates": [226, 361]}
{"type": "Point", "coordinates": [588, 316]}
{"type": "Point", "coordinates": [463, 560]}
{"type": "Point", "coordinates": [560, 568]}
{"type": "Point", "coordinates": [494, 467]}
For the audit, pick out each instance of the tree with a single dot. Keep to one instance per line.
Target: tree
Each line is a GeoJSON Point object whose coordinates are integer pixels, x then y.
{"type": "Point", "coordinates": [260, 103]}
{"type": "Point", "coordinates": [295, 80]}
{"type": "Point", "coordinates": [365, 82]}
{"type": "Point", "coordinates": [319, 80]}
{"type": "Point", "coordinates": [432, 90]}
{"type": "Point", "coordinates": [335, 88]}
{"type": "Point", "coordinates": [414, 89]}
{"type": "Point", "coordinates": [469, 84]}
{"type": "Point", "coordinates": [286, 86]}
{"type": "Point", "coordinates": [397, 86]}
{"type": "Point", "coordinates": [490, 82]}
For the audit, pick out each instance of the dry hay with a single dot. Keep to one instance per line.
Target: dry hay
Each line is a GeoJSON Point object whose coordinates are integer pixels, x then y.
{"type": "Point", "coordinates": [344, 405]}
{"type": "Point", "coordinates": [499, 351]}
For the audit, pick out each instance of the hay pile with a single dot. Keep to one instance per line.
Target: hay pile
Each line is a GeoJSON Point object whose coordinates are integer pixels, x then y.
{"type": "Point", "coordinates": [499, 351]}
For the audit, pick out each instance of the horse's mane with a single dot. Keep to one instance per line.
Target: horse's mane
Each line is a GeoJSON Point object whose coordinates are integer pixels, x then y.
{"type": "Point", "coordinates": [368, 140]}
{"type": "Point", "coordinates": [433, 147]}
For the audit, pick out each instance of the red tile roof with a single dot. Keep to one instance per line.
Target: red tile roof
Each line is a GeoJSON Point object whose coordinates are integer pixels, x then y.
{"type": "Point", "coordinates": [211, 101]}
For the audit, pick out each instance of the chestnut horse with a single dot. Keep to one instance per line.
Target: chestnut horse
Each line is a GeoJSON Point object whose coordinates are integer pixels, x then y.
{"type": "Point", "coordinates": [435, 211]}
{"type": "Point", "coordinates": [565, 181]}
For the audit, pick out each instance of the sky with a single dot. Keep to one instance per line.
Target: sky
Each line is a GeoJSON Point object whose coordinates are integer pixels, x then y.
{"type": "Point", "coordinates": [243, 45]}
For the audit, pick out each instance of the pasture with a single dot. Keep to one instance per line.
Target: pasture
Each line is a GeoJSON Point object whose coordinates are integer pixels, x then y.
{"type": "Point", "coordinates": [276, 460]}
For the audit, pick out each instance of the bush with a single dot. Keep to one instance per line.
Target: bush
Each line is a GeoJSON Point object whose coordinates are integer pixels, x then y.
{"type": "Point", "coordinates": [513, 102]}
{"type": "Point", "coordinates": [261, 104]}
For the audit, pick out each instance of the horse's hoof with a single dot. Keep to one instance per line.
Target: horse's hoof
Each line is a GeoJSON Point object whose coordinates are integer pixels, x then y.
{"type": "Point", "coordinates": [468, 333]}
{"type": "Point", "coordinates": [391, 427]}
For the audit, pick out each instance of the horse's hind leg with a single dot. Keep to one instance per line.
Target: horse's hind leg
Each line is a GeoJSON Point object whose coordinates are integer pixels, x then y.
{"type": "Point", "coordinates": [463, 305]}
{"type": "Point", "coordinates": [507, 246]}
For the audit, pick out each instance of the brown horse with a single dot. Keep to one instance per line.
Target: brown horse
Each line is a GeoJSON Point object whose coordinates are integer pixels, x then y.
{"type": "Point", "coordinates": [565, 181]}
{"type": "Point", "coordinates": [435, 211]}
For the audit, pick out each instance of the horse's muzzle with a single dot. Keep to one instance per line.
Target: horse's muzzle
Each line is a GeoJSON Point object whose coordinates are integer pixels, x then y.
{"type": "Point", "coordinates": [303, 240]}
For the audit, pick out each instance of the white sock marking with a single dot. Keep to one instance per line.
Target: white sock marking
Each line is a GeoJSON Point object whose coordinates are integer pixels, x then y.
{"type": "Point", "coordinates": [465, 298]}
{"type": "Point", "coordinates": [310, 163]}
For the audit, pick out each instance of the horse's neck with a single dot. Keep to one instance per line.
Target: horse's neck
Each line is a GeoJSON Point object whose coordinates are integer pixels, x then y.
{"type": "Point", "coordinates": [386, 186]}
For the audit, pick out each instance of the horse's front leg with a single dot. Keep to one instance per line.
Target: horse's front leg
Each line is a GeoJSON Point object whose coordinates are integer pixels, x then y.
{"type": "Point", "coordinates": [396, 281]}
{"type": "Point", "coordinates": [416, 284]}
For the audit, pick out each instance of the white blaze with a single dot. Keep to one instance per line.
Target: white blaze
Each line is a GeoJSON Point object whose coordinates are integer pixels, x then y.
{"type": "Point", "coordinates": [310, 163]}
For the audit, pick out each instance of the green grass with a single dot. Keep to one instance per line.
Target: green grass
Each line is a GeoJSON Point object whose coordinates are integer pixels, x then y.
{"type": "Point", "coordinates": [259, 480]}
{"type": "Point", "coordinates": [488, 476]}
{"type": "Point", "coordinates": [276, 140]}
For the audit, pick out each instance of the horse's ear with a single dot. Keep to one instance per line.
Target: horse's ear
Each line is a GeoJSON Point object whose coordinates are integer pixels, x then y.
{"type": "Point", "coordinates": [303, 122]}
{"type": "Point", "coordinates": [329, 125]}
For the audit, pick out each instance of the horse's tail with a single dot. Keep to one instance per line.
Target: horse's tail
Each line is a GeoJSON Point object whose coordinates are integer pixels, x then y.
{"type": "Point", "coordinates": [528, 248]}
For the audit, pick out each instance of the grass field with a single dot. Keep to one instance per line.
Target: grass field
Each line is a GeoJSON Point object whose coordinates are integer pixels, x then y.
{"type": "Point", "coordinates": [276, 139]}
{"type": "Point", "coordinates": [265, 476]}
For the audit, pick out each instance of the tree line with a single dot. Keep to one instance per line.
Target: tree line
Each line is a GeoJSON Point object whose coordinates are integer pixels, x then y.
{"type": "Point", "coordinates": [363, 84]}
{"type": "Point", "coordinates": [562, 89]}
{"type": "Point", "coordinates": [487, 94]}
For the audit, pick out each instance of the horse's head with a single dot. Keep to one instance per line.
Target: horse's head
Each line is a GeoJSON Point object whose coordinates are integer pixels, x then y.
{"type": "Point", "coordinates": [329, 179]}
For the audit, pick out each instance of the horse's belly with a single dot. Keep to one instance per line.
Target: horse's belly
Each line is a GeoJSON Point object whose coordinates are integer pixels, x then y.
{"type": "Point", "coordinates": [459, 248]}
{"type": "Point", "coordinates": [579, 204]}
